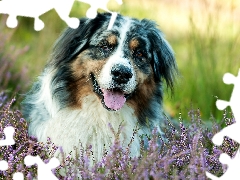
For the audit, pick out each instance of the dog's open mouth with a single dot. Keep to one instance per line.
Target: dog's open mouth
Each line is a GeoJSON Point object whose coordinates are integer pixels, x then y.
{"type": "Point", "coordinates": [112, 99]}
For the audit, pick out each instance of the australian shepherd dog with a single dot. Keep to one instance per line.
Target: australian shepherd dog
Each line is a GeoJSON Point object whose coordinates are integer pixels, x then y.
{"type": "Point", "coordinates": [98, 76]}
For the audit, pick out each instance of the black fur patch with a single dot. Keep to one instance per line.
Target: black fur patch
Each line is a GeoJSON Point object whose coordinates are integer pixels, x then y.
{"type": "Point", "coordinates": [152, 51]}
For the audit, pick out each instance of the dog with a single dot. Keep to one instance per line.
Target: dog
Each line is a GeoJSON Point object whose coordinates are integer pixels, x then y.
{"type": "Point", "coordinates": [98, 79]}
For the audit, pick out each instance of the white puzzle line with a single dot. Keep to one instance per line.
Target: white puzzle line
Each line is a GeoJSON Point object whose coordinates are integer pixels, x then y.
{"type": "Point", "coordinates": [3, 165]}
{"type": "Point", "coordinates": [8, 131]}
{"type": "Point", "coordinates": [36, 8]}
{"type": "Point", "coordinates": [44, 169]}
{"type": "Point", "coordinates": [231, 131]}
{"type": "Point", "coordinates": [18, 176]}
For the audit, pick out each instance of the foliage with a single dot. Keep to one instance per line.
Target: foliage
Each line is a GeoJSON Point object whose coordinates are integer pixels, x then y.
{"type": "Point", "coordinates": [12, 78]}
{"type": "Point", "coordinates": [210, 48]}
{"type": "Point", "coordinates": [205, 49]}
{"type": "Point", "coordinates": [24, 144]}
{"type": "Point", "coordinates": [185, 153]}
{"type": "Point", "coordinates": [204, 35]}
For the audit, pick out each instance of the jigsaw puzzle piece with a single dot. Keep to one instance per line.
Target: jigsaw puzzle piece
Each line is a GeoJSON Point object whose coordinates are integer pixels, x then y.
{"type": "Point", "coordinates": [225, 159]}
{"type": "Point", "coordinates": [3, 165]}
{"type": "Point", "coordinates": [63, 8]}
{"type": "Point", "coordinates": [221, 104]}
{"type": "Point", "coordinates": [30, 160]}
{"type": "Point", "coordinates": [218, 139]}
{"type": "Point", "coordinates": [235, 98]}
{"type": "Point", "coordinates": [5, 8]}
{"type": "Point", "coordinates": [71, 22]}
{"type": "Point", "coordinates": [232, 172]}
{"type": "Point", "coordinates": [94, 6]}
{"type": "Point", "coordinates": [91, 12]}
{"type": "Point", "coordinates": [234, 103]}
{"type": "Point", "coordinates": [8, 131]}
{"type": "Point", "coordinates": [209, 175]}
{"type": "Point", "coordinates": [97, 4]}
{"type": "Point", "coordinates": [44, 169]}
{"type": "Point", "coordinates": [229, 78]}
{"type": "Point", "coordinates": [102, 4]}
{"type": "Point", "coordinates": [38, 24]}
{"type": "Point", "coordinates": [36, 8]}
{"type": "Point", "coordinates": [229, 131]}
{"type": "Point", "coordinates": [12, 21]}
{"type": "Point", "coordinates": [18, 176]}
{"type": "Point", "coordinates": [53, 163]}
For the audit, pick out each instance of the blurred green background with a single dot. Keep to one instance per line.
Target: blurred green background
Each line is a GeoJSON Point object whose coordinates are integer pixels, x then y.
{"type": "Point", "coordinates": [205, 35]}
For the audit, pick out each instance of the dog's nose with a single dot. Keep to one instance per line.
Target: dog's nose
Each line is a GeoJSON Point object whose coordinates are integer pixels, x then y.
{"type": "Point", "coordinates": [121, 74]}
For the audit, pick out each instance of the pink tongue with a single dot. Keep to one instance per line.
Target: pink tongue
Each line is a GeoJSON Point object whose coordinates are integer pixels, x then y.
{"type": "Point", "coordinates": [113, 99]}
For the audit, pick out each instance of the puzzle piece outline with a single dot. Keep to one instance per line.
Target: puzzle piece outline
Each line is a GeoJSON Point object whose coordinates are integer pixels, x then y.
{"type": "Point", "coordinates": [3, 165]}
{"type": "Point", "coordinates": [9, 133]}
{"type": "Point", "coordinates": [28, 160]}
{"type": "Point", "coordinates": [233, 166]}
{"type": "Point", "coordinates": [229, 131]}
{"type": "Point", "coordinates": [9, 140]}
{"type": "Point", "coordinates": [234, 103]}
{"type": "Point", "coordinates": [44, 169]}
{"type": "Point", "coordinates": [12, 8]}
{"type": "Point", "coordinates": [36, 8]}
{"type": "Point", "coordinates": [101, 4]}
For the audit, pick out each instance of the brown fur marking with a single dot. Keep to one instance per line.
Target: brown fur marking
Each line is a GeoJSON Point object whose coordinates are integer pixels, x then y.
{"type": "Point", "coordinates": [82, 85]}
{"type": "Point", "coordinates": [112, 39]}
{"type": "Point", "coordinates": [133, 44]}
{"type": "Point", "coordinates": [145, 90]}
{"type": "Point", "coordinates": [83, 66]}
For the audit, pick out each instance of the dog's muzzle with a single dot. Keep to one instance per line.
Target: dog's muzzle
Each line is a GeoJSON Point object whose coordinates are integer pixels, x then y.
{"type": "Point", "coordinates": [121, 74]}
{"type": "Point", "coordinates": [114, 95]}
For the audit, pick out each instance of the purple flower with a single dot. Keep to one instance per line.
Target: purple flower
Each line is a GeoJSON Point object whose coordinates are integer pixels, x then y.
{"type": "Point", "coordinates": [186, 153]}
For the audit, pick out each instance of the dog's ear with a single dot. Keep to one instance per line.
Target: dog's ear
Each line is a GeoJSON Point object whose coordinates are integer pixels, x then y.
{"type": "Point", "coordinates": [68, 46]}
{"type": "Point", "coordinates": [73, 41]}
{"type": "Point", "coordinates": [163, 59]}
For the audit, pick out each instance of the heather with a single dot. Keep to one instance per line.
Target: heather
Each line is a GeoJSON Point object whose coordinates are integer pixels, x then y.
{"type": "Point", "coordinates": [24, 144]}
{"type": "Point", "coordinates": [205, 37]}
{"type": "Point", "coordinates": [186, 151]}
{"type": "Point", "coordinates": [12, 78]}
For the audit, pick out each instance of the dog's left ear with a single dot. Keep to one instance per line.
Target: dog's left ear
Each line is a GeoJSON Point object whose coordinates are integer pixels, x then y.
{"type": "Point", "coordinates": [163, 59]}
{"type": "Point", "coordinates": [73, 41]}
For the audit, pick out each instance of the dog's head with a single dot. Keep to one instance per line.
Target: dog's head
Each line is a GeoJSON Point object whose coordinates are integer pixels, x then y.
{"type": "Point", "coordinates": [120, 65]}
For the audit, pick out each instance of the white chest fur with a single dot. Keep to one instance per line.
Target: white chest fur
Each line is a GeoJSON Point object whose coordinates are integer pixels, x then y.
{"type": "Point", "coordinates": [90, 126]}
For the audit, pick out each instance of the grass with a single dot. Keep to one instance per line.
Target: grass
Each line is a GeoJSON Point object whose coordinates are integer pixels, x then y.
{"type": "Point", "coordinates": [204, 35]}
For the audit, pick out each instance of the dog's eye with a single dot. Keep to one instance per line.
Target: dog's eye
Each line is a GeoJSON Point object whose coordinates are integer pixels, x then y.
{"type": "Point", "coordinates": [139, 54]}
{"type": "Point", "coordinates": [106, 48]}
